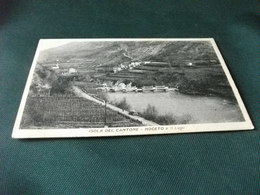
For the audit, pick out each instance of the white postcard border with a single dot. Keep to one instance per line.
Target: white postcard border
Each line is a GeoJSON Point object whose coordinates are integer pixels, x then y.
{"type": "Point", "coordinates": [131, 131]}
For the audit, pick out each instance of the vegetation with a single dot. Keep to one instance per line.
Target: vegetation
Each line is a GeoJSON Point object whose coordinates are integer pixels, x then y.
{"type": "Point", "coordinates": [152, 114]}
{"type": "Point", "coordinates": [102, 95]}
{"type": "Point", "coordinates": [203, 81]}
{"type": "Point", "coordinates": [123, 105]}
{"type": "Point", "coordinates": [205, 77]}
{"type": "Point", "coordinates": [69, 112]}
{"type": "Point", "coordinates": [60, 86]}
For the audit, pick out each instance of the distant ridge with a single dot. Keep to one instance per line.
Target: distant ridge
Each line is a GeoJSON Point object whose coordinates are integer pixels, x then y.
{"type": "Point", "coordinates": [110, 53]}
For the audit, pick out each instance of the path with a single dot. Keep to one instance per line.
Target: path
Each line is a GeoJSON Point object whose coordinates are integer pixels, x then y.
{"type": "Point", "coordinates": [80, 93]}
{"type": "Point", "coordinates": [127, 55]}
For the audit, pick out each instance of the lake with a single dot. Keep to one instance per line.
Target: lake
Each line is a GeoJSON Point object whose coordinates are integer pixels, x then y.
{"type": "Point", "coordinates": [200, 109]}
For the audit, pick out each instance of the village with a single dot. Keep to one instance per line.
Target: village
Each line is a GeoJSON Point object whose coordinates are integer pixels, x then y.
{"type": "Point", "coordinates": [118, 86]}
{"type": "Point", "coordinates": [126, 88]}
{"type": "Point", "coordinates": [117, 91]}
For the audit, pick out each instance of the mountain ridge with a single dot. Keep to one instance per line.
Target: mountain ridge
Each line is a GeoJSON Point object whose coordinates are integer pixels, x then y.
{"type": "Point", "coordinates": [113, 52]}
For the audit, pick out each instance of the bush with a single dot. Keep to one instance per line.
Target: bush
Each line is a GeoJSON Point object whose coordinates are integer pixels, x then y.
{"type": "Point", "coordinates": [150, 113]}
{"type": "Point", "coordinates": [166, 119]}
{"type": "Point", "coordinates": [123, 105]}
{"type": "Point", "coordinates": [60, 86]}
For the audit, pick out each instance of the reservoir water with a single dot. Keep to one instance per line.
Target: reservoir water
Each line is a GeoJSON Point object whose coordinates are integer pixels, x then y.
{"type": "Point", "coordinates": [199, 109]}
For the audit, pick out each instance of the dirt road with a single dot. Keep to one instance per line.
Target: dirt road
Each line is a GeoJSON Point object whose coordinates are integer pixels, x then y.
{"type": "Point", "coordinates": [80, 93]}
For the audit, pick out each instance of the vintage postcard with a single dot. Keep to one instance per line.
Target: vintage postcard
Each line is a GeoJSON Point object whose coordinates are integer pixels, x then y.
{"type": "Point", "coordinates": [120, 87]}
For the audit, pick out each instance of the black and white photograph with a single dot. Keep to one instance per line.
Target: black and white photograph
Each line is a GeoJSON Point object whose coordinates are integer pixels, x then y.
{"type": "Point", "coordinates": [110, 87]}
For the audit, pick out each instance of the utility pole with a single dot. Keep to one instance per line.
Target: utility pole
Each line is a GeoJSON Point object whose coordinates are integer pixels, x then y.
{"type": "Point", "coordinates": [105, 117]}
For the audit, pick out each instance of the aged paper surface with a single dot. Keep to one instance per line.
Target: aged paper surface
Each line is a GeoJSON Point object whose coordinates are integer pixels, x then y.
{"type": "Point", "coordinates": [119, 87]}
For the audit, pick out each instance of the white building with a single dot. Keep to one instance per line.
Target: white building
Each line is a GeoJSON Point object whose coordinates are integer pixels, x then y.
{"type": "Point", "coordinates": [55, 67]}
{"type": "Point", "coordinates": [72, 71]}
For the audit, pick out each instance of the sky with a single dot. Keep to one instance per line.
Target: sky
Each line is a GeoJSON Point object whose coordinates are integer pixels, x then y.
{"type": "Point", "coordinates": [51, 43]}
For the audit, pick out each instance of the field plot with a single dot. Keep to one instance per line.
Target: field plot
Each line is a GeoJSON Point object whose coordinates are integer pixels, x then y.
{"type": "Point", "coordinates": [70, 112]}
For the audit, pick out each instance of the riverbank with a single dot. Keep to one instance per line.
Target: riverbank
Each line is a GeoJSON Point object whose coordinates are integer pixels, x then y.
{"type": "Point", "coordinates": [198, 109]}
{"type": "Point", "coordinates": [125, 113]}
{"type": "Point", "coordinates": [221, 93]}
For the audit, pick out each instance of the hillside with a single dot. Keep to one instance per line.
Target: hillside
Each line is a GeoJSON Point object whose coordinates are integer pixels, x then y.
{"type": "Point", "coordinates": [190, 65]}
{"type": "Point", "coordinates": [42, 81]}
{"type": "Point", "coordinates": [113, 52]}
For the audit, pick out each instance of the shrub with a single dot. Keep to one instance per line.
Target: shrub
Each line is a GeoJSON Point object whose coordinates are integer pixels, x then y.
{"type": "Point", "coordinates": [167, 119]}
{"type": "Point", "coordinates": [123, 104]}
{"type": "Point", "coordinates": [150, 113]}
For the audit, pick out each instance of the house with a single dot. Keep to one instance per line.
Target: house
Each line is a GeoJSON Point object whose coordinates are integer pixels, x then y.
{"type": "Point", "coordinates": [121, 86]}
{"type": "Point", "coordinates": [116, 69]}
{"type": "Point", "coordinates": [148, 88]}
{"type": "Point", "coordinates": [72, 71]}
{"type": "Point", "coordinates": [55, 67]}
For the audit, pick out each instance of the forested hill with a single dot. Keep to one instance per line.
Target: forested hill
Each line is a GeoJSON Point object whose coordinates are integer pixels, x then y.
{"type": "Point", "coordinates": [110, 53]}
